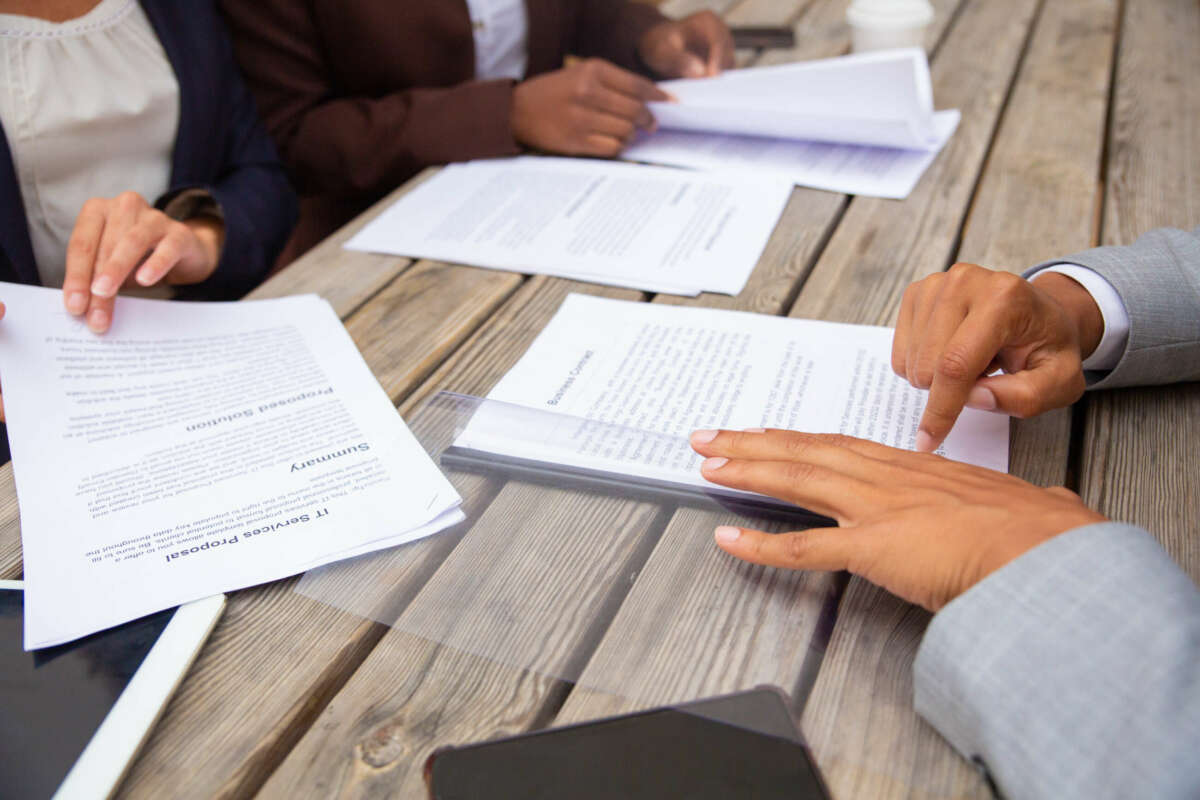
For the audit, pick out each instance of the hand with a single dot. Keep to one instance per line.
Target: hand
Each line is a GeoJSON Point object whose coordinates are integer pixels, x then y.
{"type": "Point", "coordinates": [697, 46]}
{"type": "Point", "coordinates": [921, 526]}
{"type": "Point", "coordinates": [115, 236]}
{"type": "Point", "coordinates": [956, 327]}
{"type": "Point", "coordinates": [591, 108]}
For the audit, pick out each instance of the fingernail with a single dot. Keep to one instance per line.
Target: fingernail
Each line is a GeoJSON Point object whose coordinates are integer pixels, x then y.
{"type": "Point", "coordinates": [77, 302]}
{"type": "Point", "coordinates": [982, 398]}
{"type": "Point", "coordinates": [711, 464]}
{"type": "Point", "coordinates": [727, 534]}
{"type": "Point", "coordinates": [98, 321]}
{"type": "Point", "coordinates": [144, 277]}
{"type": "Point", "coordinates": [754, 430]}
{"type": "Point", "coordinates": [925, 442]}
{"type": "Point", "coordinates": [103, 286]}
{"type": "Point", "coordinates": [703, 437]}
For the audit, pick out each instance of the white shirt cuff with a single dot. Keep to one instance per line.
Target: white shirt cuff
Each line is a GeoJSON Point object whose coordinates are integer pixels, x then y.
{"type": "Point", "coordinates": [1112, 310]}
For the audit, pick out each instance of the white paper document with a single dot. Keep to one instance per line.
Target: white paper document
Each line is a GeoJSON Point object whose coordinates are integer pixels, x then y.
{"type": "Point", "coordinates": [861, 124]}
{"type": "Point", "coordinates": [654, 373]}
{"type": "Point", "coordinates": [651, 228]}
{"type": "Point", "coordinates": [196, 448]}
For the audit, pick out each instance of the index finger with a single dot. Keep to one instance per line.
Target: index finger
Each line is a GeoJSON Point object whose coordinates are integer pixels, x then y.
{"type": "Point", "coordinates": [626, 82]}
{"type": "Point", "coordinates": [964, 360]}
{"type": "Point", "coordinates": [82, 249]}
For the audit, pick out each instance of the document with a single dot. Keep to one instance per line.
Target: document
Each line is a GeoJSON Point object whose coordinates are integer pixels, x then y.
{"type": "Point", "coordinates": [861, 124]}
{"type": "Point", "coordinates": [628, 383]}
{"type": "Point", "coordinates": [196, 448]}
{"type": "Point", "coordinates": [651, 228]}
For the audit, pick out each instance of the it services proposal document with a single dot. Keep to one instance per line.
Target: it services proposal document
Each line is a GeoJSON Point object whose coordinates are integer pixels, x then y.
{"type": "Point", "coordinates": [196, 448]}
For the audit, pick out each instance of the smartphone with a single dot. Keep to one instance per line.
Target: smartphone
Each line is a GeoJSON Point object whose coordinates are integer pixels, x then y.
{"type": "Point", "coordinates": [759, 37]}
{"type": "Point", "coordinates": [738, 745]}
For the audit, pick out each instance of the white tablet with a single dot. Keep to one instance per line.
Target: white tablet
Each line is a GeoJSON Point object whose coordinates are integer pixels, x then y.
{"type": "Point", "coordinates": [72, 717]}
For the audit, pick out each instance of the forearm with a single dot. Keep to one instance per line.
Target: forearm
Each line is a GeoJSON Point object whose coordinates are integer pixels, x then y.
{"type": "Point", "coordinates": [1071, 672]}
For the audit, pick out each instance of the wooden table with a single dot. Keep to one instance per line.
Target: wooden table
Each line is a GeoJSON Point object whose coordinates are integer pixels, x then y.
{"type": "Point", "coordinates": [1080, 126]}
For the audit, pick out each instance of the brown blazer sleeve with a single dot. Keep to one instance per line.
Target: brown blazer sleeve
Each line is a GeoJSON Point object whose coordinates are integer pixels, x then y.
{"type": "Point", "coordinates": [361, 94]}
{"type": "Point", "coordinates": [611, 29]}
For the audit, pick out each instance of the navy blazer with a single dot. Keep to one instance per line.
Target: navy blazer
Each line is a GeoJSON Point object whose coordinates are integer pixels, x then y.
{"type": "Point", "coordinates": [220, 146]}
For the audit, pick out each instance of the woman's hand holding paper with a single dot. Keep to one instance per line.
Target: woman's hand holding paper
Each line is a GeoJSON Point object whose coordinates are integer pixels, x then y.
{"type": "Point", "coordinates": [957, 327]}
{"type": "Point", "coordinates": [697, 46]}
{"type": "Point", "coordinates": [923, 527]}
{"type": "Point", "coordinates": [123, 237]}
{"type": "Point", "coordinates": [591, 108]}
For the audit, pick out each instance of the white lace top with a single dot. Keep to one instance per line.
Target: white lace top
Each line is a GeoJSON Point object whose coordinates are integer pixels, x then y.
{"type": "Point", "coordinates": [90, 108]}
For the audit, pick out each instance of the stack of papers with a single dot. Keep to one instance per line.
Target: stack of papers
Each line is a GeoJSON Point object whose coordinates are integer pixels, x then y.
{"type": "Point", "coordinates": [652, 374]}
{"type": "Point", "coordinates": [650, 228]}
{"type": "Point", "coordinates": [194, 449]}
{"type": "Point", "coordinates": [861, 124]}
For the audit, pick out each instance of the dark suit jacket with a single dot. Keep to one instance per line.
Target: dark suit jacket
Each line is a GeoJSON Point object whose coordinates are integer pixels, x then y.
{"type": "Point", "coordinates": [362, 94]}
{"type": "Point", "coordinates": [220, 147]}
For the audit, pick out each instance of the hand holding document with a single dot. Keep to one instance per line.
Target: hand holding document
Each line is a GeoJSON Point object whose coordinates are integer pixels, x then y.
{"type": "Point", "coordinates": [195, 449]}
{"type": "Point", "coordinates": [861, 124]}
{"type": "Point", "coordinates": [651, 374]}
{"type": "Point", "coordinates": [649, 228]}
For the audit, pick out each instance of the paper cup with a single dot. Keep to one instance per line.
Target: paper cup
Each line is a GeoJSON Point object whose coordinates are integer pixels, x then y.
{"type": "Point", "coordinates": [885, 24]}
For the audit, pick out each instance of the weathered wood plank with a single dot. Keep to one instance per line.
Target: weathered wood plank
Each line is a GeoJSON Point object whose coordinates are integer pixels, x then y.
{"type": "Point", "coordinates": [1139, 461]}
{"type": "Point", "coordinates": [410, 327]}
{"type": "Point", "coordinates": [859, 717]}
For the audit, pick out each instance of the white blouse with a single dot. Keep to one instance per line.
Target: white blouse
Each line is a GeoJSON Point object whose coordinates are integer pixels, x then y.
{"type": "Point", "coordinates": [501, 32]}
{"type": "Point", "coordinates": [90, 108]}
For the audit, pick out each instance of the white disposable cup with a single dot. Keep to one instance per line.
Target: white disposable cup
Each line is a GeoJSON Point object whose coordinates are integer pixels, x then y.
{"type": "Point", "coordinates": [886, 24]}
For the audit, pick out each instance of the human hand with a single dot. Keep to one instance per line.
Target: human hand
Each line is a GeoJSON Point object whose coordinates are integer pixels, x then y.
{"type": "Point", "coordinates": [921, 526]}
{"type": "Point", "coordinates": [114, 236]}
{"type": "Point", "coordinates": [591, 108]}
{"type": "Point", "coordinates": [697, 46]}
{"type": "Point", "coordinates": [955, 327]}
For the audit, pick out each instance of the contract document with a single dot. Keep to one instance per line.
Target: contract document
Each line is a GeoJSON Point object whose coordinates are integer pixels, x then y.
{"type": "Point", "coordinates": [196, 448]}
{"type": "Point", "coordinates": [860, 124]}
{"type": "Point", "coordinates": [629, 382]}
{"type": "Point", "coordinates": [651, 228]}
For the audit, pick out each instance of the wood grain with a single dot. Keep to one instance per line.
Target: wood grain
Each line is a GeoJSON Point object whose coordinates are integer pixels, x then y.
{"type": "Point", "coordinates": [410, 327]}
{"type": "Point", "coordinates": [346, 278]}
{"type": "Point", "coordinates": [700, 623]}
{"type": "Point", "coordinates": [859, 717]}
{"type": "Point", "coordinates": [1139, 461]}
{"type": "Point", "coordinates": [10, 526]}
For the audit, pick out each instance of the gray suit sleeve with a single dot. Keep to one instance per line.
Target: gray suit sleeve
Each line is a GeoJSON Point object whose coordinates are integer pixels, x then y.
{"type": "Point", "coordinates": [1158, 278]}
{"type": "Point", "coordinates": [1073, 671]}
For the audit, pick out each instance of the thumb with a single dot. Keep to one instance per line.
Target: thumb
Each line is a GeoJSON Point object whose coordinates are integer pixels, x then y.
{"type": "Point", "coordinates": [1053, 383]}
